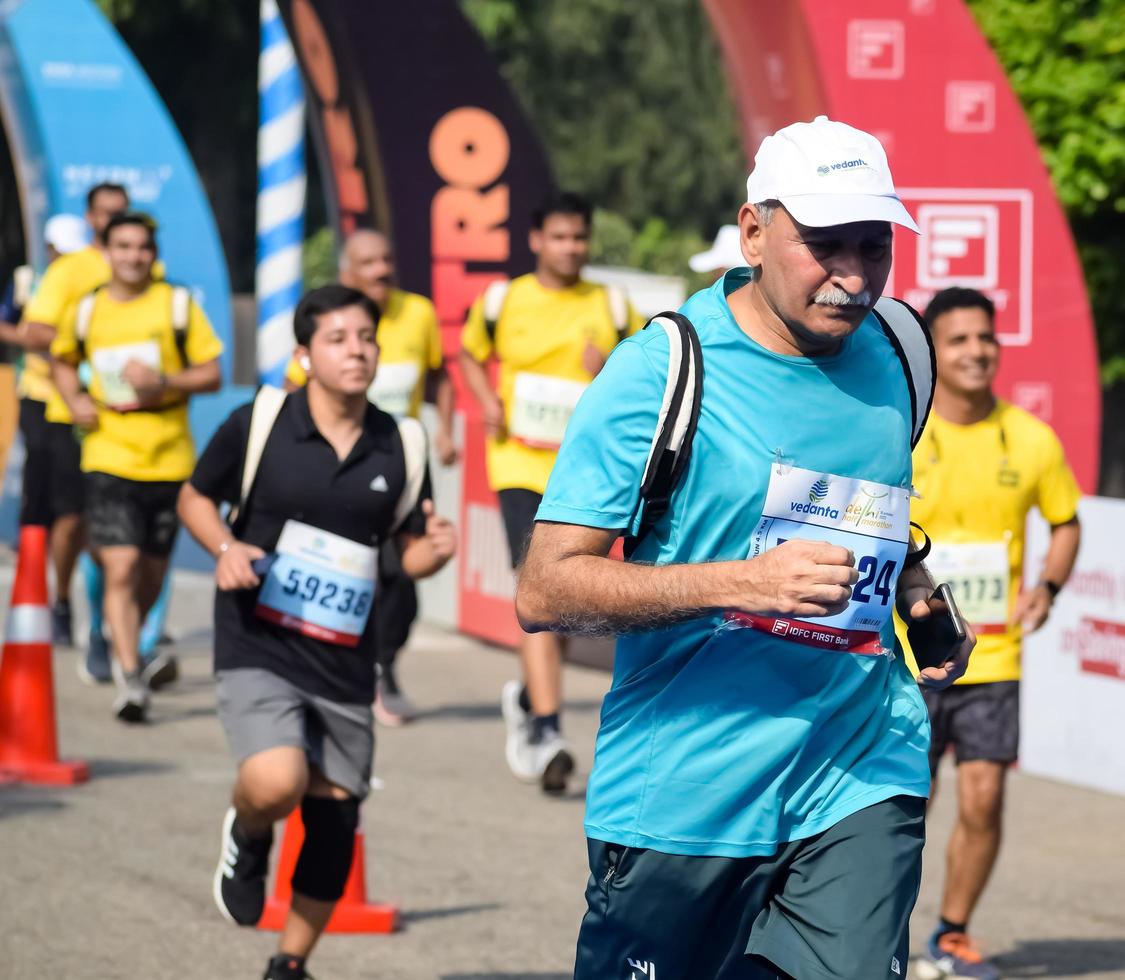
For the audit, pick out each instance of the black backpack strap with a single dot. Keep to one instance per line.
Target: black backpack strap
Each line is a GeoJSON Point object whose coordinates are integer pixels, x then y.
{"type": "Point", "coordinates": [910, 338]}
{"type": "Point", "coordinates": [181, 320]}
{"type": "Point", "coordinates": [675, 425]}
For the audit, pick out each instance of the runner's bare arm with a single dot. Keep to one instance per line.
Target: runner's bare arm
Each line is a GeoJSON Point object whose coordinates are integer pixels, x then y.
{"type": "Point", "coordinates": [194, 379]}
{"type": "Point", "coordinates": [200, 515]}
{"type": "Point", "coordinates": [444, 399]}
{"type": "Point", "coordinates": [1034, 605]}
{"type": "Point", "coordinates": [36, 337]}
{"type": "Point", "coordinates": [476, 377]}
{"type": "Point", "coordinates": [81, 405]}
{"type": "Point", "coordinates": [568, 584]}
{"type": "Point", "coordinates": [425, 554]}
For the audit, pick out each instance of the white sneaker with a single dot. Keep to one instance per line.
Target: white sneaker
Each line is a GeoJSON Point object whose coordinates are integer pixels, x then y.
{"type": "Point", "coordinates": [518, 749]}
{"type": "Point", "coordinates": [131, 704]}
{"type": "Point", "coordinates": [554, 762]}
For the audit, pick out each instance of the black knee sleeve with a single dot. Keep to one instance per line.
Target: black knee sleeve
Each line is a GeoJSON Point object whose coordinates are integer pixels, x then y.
{"type": "Point", "coordinates": [326, 855]}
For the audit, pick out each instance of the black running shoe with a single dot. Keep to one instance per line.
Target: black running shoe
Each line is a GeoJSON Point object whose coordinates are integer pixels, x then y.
{"type": "Point", "coordinates": [160, 669]}
{"type": "Point", "coordinates": [240, 879]}
{"type": "Point", "coordinates": [286, 967]}
{"type": "Point", "coordinates": [62, 627]}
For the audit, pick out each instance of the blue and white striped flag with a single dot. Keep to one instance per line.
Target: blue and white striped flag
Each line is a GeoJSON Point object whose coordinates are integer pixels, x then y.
{"type": "Point", "coordinates": [281, 194]}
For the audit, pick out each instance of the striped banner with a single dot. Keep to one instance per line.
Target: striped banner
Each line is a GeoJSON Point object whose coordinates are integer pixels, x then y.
{"type": "Point", "coordinates": [281, 194]}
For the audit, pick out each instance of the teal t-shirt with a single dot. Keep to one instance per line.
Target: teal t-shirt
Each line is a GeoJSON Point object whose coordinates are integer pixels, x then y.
{"type": "Point", "coordinates": [721, 741]}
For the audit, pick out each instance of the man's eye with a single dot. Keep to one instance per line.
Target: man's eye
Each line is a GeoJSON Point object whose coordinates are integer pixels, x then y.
{"type": "Point", "coordinates": [875, 250]}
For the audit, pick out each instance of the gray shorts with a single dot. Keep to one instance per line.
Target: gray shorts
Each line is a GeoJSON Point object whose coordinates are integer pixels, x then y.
{"type": "Point", "coordinates": [980, 721]}
{"type": "Point", "coordinates": [260, 710]}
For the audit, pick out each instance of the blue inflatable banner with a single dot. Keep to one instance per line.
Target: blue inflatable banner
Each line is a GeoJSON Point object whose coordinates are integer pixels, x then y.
{"type": "Point", "coordinates": [78, 109]}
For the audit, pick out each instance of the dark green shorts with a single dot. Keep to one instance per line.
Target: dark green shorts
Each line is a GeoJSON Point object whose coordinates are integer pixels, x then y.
{"type": "Point", "coordinates": [833, 907]}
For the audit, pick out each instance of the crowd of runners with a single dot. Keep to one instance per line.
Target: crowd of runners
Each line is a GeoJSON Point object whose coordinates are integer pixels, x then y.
{"type": "Point", "coordinates": [757, 802]}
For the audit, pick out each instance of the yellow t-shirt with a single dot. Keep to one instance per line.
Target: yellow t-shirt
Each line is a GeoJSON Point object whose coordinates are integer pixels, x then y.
{"type": "Point", "coordinates": [138, 445]}
{"type": "Point", "coordinates": [409, 347]}
{"type": "Point", "coordinates": [541, 332]}
{"type": "Point", "coordinates": [66, 281]}
{"type": "Point", "coordinates": [977, 483]}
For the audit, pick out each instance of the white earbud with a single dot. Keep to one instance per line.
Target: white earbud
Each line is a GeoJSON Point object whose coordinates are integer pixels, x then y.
{"type": "Point", "coordinates": [304, 362]}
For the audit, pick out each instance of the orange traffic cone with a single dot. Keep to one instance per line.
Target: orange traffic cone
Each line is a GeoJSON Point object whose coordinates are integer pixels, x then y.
{"type": "Point", "coordinates": [28, 740]}
{"type": "Point", "coordinates": [353, 913]}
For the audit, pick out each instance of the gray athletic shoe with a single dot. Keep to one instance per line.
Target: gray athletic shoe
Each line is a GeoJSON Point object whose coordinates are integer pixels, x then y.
{"type": "Point", "coordinates": [131, 704]}
{"type": "Point", "coordinates": [160, 670]}
{"type": "Point", "coordinates": [393, 709]}
{"type": "Point", "coordinates": [518, 749]}
{"type": "Point", "coordinates": [93, 666]}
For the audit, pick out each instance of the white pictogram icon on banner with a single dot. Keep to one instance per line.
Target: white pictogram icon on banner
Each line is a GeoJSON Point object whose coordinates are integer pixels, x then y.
{"type": "Point", "coordinates": [1034, 397]}
{"type": "Point", "coordinates": [981, 238]}
{"type": "Point", "coordinates": [960, 246]}
{"type": "Point", "coordinates": [876, 48]}
{"type": "Point", "coordinates": [970, 107]}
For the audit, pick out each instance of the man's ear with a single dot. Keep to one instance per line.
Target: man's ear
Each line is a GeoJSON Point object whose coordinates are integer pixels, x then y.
{"type": "Point", "coordinates": [750, 232]}
{"type": "Point", "coordinates": [535, 240]}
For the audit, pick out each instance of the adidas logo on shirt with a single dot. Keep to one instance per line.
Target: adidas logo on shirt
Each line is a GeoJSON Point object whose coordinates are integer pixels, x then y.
{"type": "Point", "coordinates": [379, 484]}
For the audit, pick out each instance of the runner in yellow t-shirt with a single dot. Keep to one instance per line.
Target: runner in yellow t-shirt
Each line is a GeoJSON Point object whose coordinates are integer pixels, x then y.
{"type": "Point", "coordinates": [144, 368]}
{"type": "Point", "coordinates": [980, 466]}
{"type": "Point", "coordinates": [66, 279]}
{"type": "Point", "coordinates": [550, 332]}
{"type": "Point", "coordinates": [410, 362]}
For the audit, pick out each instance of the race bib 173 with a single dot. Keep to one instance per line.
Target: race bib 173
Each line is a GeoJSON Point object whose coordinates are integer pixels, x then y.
{"type": "Point", "coordinates": [541, 408]}
{"type": "Point", "coordinates": [870, 519]}
{"type": "Point", "coordinates": [321, 585]}
{"type": "Point", "coordinates": [979, 575]}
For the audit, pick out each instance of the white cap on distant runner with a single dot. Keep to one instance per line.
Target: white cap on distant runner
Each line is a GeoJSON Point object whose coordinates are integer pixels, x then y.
{"type": "Point", "coordinates": [66, 233]}
{"type": "Point", "coordinates": [724, 253]}
{"type": "Point", "coordinates": [826, 173]}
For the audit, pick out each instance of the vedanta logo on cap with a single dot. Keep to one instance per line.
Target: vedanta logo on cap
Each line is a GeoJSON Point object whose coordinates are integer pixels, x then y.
{"type": "Point", "coordinates": [842, 165]}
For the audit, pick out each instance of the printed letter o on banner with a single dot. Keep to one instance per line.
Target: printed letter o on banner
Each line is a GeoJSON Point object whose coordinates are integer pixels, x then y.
{"type": "Point", "coordinates": [469, 147]}
{"type": "Point", "coordinates": [318, 54]}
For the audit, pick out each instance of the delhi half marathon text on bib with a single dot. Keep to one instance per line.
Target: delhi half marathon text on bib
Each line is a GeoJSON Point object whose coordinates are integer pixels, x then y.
{"type": "Point", "coordinates": [979, 575]}
{"type": "Point", "coordinates": [870, 519]}
{"type": "Point", "coordinates": [542, 407]}
{"type": "Point", "coordinates": [109, 362]}
{"type": "Point", "coordinates": [321, 585]}
{"type": "Point", "coordinates": [393, 387]}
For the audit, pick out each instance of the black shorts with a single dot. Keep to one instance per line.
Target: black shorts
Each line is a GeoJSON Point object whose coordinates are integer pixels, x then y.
{"type": "Point", "coordinates": [980, 721]}
{"type": "Point", "coordinates": [517, 508]}
{"type": "Point", "coordinates": [834, 906]}
{"type": "Point", "coordinates": [131, 513]}
{"type": "Point", "coordinates": [52, 475]}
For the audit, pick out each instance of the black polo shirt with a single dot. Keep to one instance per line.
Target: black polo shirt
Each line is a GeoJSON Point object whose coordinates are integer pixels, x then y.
{"type": "Point", "coordinates": [301, 478]}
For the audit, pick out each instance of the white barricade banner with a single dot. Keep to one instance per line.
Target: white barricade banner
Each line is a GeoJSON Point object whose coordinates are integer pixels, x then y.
{"type": "Point", "coordinates": [1072, 715]}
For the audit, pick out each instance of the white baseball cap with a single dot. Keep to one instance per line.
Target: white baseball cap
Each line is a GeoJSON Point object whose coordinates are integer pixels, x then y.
{"type": "Point", "coordinates": [724, 253]}
{"type": "Point", "coordinates": [826, 173]}
{"type": "Point", "coordinates": [66, 233]}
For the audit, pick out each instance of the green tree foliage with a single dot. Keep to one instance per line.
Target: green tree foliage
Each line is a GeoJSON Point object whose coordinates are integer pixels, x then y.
{"type": "Point", "coordinates": [632, 103]}
{"type": "Point", "coordinates": [1066, 61]}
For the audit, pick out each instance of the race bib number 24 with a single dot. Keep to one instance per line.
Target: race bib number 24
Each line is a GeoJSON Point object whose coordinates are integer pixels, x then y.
{"type": "Point", "coordinates": [872, 520]}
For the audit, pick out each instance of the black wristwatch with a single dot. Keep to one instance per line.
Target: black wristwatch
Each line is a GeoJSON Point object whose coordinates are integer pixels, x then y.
{"type": "Point", "coordinates": [1052, 587]}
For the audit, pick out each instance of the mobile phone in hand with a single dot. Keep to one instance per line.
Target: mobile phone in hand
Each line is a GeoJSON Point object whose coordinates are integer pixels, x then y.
{"type": "Point", "coordinates": [261, 566]}
{"type": "Point", "coordinates": [935, 640]}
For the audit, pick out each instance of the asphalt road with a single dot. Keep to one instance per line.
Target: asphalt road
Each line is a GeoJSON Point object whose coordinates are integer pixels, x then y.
{"type": "Point", "coordinates": [112, 879]}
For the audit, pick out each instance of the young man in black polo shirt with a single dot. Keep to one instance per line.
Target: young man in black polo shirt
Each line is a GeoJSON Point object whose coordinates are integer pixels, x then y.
{"type": "Point", "coordinates": [336, 479]}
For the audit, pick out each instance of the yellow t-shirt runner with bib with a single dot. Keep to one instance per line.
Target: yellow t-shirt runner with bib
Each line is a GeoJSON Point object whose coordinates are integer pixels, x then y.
{"type": "Point", "coordinates": [135, 444]}
{"type": "Point", "coordinates": [67, 279]}
{"type": "Point", "coordinates": [976, 484]}
{"type": "Point", "coordinates": [409, 347]}
{"type": "Point", "coordinates": [541, 335]}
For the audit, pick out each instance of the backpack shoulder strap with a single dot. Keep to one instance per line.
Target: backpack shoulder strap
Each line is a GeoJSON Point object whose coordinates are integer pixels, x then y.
{"type": "Point", "coordinates": [911, 341]}
{"type": "Point", "coordinates": [267, 406]}
{"type": "Point", "coordinates": [83, 316]}
{"type": "Point", "coordinates": [23, 279]}
{"type": "Point", "coordinates": [181, 319]}
{"type": "Point", "coordinates": [618, 302]}
{"type": "Point", "coordinates": [493, 306]}
{"type": "Point", "coordinates": [415, 451]}
{"type": "Point", "coordinates": [676, 423]}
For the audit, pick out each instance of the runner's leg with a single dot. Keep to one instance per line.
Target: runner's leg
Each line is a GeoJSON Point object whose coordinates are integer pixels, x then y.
{"type": "Point", "coordinates": [122, 567]}
{"type": "Point", "coordinates": [153, 627]}
{"type": "Point", "coordinates": [269, 787]}
{"type": "Point", "coordinates": [975, 841]}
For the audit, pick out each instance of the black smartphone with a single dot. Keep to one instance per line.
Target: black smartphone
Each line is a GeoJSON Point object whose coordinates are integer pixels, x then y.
{"type": "Point", "coordinates": [935, 640]}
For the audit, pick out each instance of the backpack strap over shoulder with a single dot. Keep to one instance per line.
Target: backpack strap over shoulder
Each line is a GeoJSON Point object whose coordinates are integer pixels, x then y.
{"type": "Point", "coordinates": [676, 423]}
{"type": "Point", "coordinates": [83, 315]}
{"type": "Point", "coordinates": [911, 340]}
{"type": "Point", "coordinates": [415, 451]}
{"type": "Point", "coordinates": [492, 306]}
{"type": "Point", "coordinates": [181, 319]}
{"type": "Point", "coordinates": [267, 406]}
{"type": "Point", "coordinates": [618, 302]}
